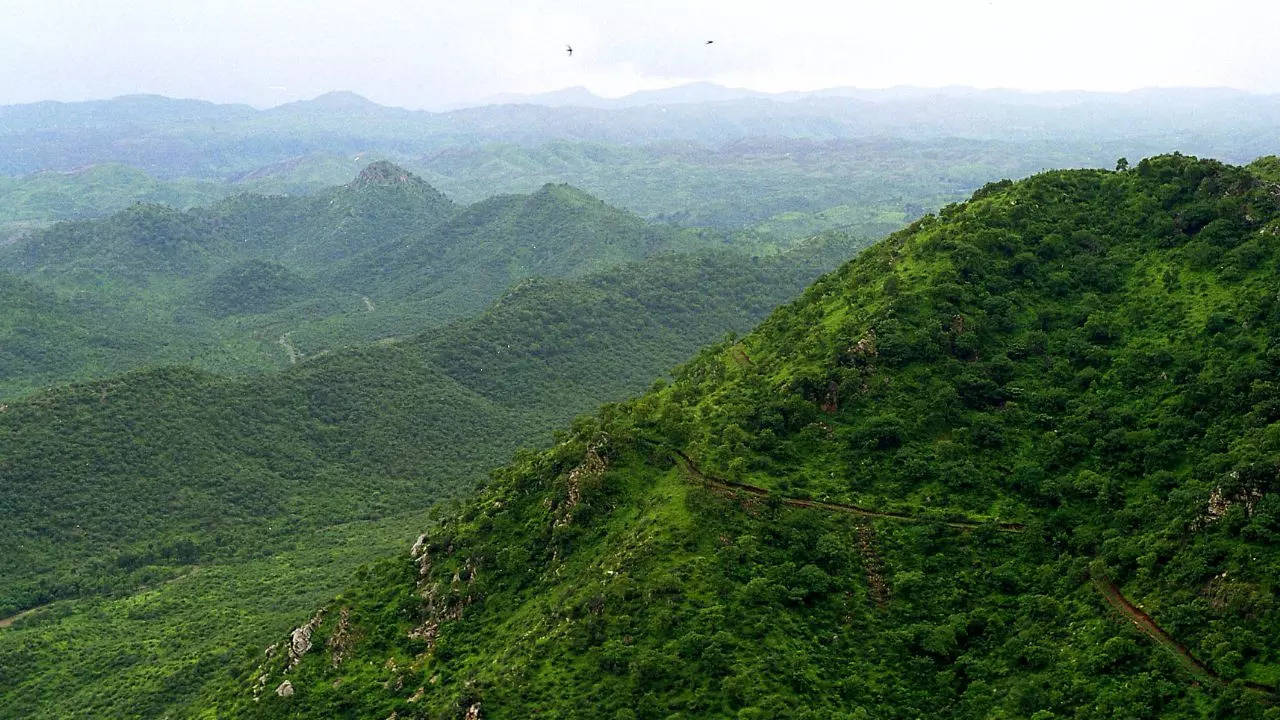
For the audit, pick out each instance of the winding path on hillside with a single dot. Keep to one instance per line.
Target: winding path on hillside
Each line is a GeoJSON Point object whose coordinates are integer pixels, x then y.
{"type": "Point", "coordinates": [1109, 590]}
{"type": "Point", "coordinates": [9, 621]}
{"type": "Point", "coordinates": [1144, 622]}
{"type": "Point", "coordinates": [723, 485]}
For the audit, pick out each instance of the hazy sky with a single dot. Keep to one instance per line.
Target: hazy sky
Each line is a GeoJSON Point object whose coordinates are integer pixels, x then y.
{"type": "Point", "coordinates": [429, 54]}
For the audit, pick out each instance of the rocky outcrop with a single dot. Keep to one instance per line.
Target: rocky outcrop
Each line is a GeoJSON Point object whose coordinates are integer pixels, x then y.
{"type": "Point", "coordinates": [300, 640]}
{"type": "Point", "coordinates": [421, 554]}
{"type": "Point", "coordinates": [865, 348]}
{"type": "Point", "coordinates": [383, 172]}
{"type": "Point", "coordinates": [440, 604]}
{"type": "Point", "coordinates": [1222, 500]}
{"type": "Point", "coordinates": [285, 689]}
{"type": "Point", "coordinates": [590, 470]}
{"type": "Point", "coordinates": [473, 712]}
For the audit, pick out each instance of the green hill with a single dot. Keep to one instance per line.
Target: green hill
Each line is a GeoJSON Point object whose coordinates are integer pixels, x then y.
{"type": "Point", "coordinates": [253, 283]}
{"type": "Point", "coordinates": [1017, 460]}
{"type": "Point", "coordinates": [143, 511]}
{"type": "Point", "coordinates": [94, 191]}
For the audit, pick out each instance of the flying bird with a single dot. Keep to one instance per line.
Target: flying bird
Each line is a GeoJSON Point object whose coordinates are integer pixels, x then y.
{"type": "Point", "coordinates": [708, 42]}
{"type": "Point", "coordinates": [569, 49]}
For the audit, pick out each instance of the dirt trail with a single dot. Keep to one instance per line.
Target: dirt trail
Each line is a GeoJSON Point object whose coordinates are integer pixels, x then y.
{"type": "Point", "coordinates": [879, 592]}
{"type": "Point", "coordinates": [9, 621]}
{"type": "Point", "coordinates": [1148, 626]}
{"type": "Point", "coordinates": [1143, 622]}
{"type": "Point", "coordinates": [6, 622]}
{"type": "Point", "coordinates": [729, 486]}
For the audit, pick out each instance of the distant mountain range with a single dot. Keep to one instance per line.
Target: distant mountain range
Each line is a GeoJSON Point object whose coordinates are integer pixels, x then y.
{"type": "Point", "coordinates": [171, 138]}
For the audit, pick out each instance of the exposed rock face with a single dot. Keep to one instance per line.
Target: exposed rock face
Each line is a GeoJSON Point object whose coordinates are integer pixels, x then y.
{"type": "Point", "coordinates": [473, 712]}
{"type": "Point", "coordinates": [300, 640]}
{"type": "Point", "coordinates": [591, 469]}
{"type": "Point", "coordinates": [865, 348]}
{"type": "Point", "coordinates": [421, 553]}
{"type": "Point", "coordinates": [862, 355]}
{"type": "Point", "coordinates": [440, 605]}
{"type": "Point", "coordinates": [1220, 501]}
{"type": "Point", "coordinates": [384, 173]}
{"type": "Point", "coordinates": [285, 689]}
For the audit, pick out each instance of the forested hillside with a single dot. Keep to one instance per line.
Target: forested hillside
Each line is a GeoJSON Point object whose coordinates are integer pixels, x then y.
{"type": "Point", "coordinates": [146, 510]}
{"type": "Point", "coordinates": [256, 282]}
{"type": "Point", "coordinates": [699, 156]}
{"type": "Point", "coordinates": [1017, 460]}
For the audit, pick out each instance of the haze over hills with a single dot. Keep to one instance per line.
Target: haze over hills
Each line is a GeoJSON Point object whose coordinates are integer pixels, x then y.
{"type": "Point", "coordinates": [186, 138]}
{"type": "Point", "coordinates": [1017, 460]}
{"type": "Point", "coordinates": [254, 282]}
{"type": "Point", "coordinates": [697, 155]}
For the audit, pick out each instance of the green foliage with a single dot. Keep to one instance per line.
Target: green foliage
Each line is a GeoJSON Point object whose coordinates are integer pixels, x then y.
{"type": "Point", "coordinates": [1114, 398]}
{"type": "Point", "coordinates": [254, 283]}
{"type": "Point", "coordinates": [253, 286]}
{"type": "Point", "coordinates": [113, 488]}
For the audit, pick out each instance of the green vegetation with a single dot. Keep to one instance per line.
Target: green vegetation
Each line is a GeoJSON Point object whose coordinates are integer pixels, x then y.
{"type": "Point", "coordinates": [139, 508]}
{"type": "Point", "coordinates": [92, 192]}
{"type": "Point", "coordinates": [254, 282]}
{"type": "Point", "coordinates": [1090, 355]}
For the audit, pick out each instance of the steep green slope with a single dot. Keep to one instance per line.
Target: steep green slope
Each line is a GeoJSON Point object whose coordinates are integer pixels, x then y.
{"type": "Point", "coordinates": [135, 505]}
{"type": "Point", "coordinates": [1018, 460]}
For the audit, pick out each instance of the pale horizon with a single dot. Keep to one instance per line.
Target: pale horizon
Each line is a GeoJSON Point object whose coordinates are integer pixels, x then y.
{"type": "Point", "coordinates": [505, 98]}
{"type": "Point", "coordinates": [406, 54]}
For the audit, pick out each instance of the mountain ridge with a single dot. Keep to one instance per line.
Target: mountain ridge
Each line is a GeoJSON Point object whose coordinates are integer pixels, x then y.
{"type": "Point", "coordinates": [1087, 354]}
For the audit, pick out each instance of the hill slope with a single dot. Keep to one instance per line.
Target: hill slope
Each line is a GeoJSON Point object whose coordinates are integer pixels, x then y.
{"type": "Point", "coordinates": [254, 282]}
{"type": "Point", "coordinates": [898, 497]}
{"type": "Point", "coordinates": [146, 510]}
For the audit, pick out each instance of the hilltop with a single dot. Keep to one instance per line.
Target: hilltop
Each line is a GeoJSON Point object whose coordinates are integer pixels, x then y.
{"type": "Point", "coordinates": [1016, 460]}
{"type": "Point", "coordinates": [254, 282]}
